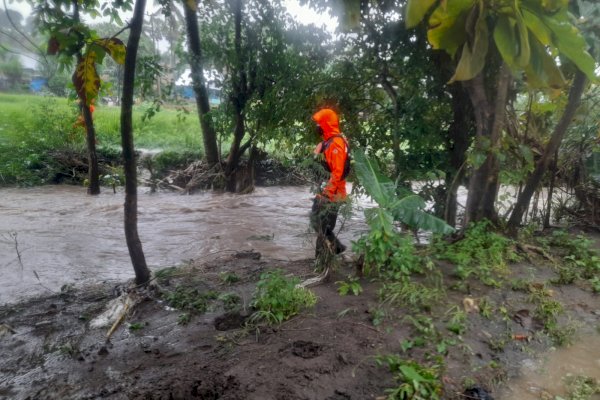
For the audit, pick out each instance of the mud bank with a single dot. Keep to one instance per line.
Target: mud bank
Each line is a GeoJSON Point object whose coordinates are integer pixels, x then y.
{"type": "Point", "coordinates": [51, 352]}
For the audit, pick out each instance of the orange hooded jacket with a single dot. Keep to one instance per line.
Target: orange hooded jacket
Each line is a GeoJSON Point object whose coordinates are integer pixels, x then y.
{"type": "Point", "coordinates": [335, 154]}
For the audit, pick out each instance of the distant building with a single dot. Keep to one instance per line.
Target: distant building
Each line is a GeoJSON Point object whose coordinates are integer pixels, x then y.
{"type": "Point", "coordinates": [38, 84]}
{"type": "Point", "coordinates": [183, 88]}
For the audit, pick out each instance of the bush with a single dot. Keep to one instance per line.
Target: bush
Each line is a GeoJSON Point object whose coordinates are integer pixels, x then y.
{"type": "Point", "coordinates": [278, 299]}
{"type": "Point", "coordinates": [482, 253]}
{"type": "Point", "coordinates": [32, 139]}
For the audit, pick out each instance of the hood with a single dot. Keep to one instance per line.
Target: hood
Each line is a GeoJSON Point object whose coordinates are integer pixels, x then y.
{"type": "Point", "coordinates": [328, 121]}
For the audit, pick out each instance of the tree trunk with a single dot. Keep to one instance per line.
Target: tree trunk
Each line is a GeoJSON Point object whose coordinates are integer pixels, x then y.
{"type": "Point", "coordinates": [550, 191]}
{"type": "Point", "coordinates": [239, 98]}
{"type": "Point", "coordinates": [234, 152]}
{"type": "Point", "coordinates": [393, 95]}
{"type": "Point", "coordinates": [542, 165]}
{"type": "Point", "coordinates": [209, 136]}
{"type": "Point", "coordinates": [142, 274]}
{"type": "Point", "coordinates": [489, 119]}
{"type": "Point", "coordinates": [93, 172]}
{"type": "Point", "coordinates": [460, 134]}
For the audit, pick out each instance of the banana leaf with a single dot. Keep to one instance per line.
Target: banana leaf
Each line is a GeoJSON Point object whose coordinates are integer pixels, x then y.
{"type": "Point", "coordinates": [408, 209]}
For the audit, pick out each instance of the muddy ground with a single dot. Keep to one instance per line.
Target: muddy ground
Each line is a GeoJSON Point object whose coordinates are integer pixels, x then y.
{"type": "Point", "coordinates": [49, 350]}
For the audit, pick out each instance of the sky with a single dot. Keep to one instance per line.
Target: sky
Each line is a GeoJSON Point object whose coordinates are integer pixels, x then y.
{"type": "Point", "coordinates": [303, 14]}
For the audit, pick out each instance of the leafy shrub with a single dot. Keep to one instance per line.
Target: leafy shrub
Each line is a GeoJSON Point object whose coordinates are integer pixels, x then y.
{"type": "Point", "coordinates": [386, 251]}
{"type": "Point", "coordinates": [189, 299]}
{"type": "Point", "coordinates": [482, 253]}
{"type": "Point", "coordinates": [410, 294]}
{"type": "Point", "coordinates": [31, 140]}
{"type": "Point", "coordinates": [278, 299]}
{"type": "Point", "coordinates": [416, 382]}
{"type": "Point", "coordinates": [581, 261]}
{"type": "Point", "coordinates": [390, 255]}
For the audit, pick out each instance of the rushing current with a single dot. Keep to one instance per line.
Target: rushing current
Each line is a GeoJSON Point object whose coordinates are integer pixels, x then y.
{"type": "Point", "coordinates": [63, 236]}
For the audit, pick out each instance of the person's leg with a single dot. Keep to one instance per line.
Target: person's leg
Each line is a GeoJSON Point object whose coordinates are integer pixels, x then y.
{"type": "Point", "coordinates": [331, 217]}
{"type": "Point", "coordinates": [323, 218]}
{"type": "Point", "coordinates": [319, 224]}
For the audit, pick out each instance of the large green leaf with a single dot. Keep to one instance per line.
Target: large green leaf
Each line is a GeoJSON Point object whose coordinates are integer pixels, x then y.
{"type": "Point", "coordinates": [377, 185]}
{"type": "Point", "coordinates": [411, 374]}
{"type": "Point", "coordinates": [416, 10]}
{"type": "Point", "coordinates": [542, 71]}
{"type": "Point", "coordinates": [447, 25]}
{"type": "Point", "coordinates": [473, 57]}
{"type": "Point", "coordinates": [524, 54]}
{"type": "Point", "coordinates": [410, 210]}
{"type": "Point", "coordinates": [571, 43]}
{"type": "Point", "coordinates": [537, 27]}
{"type": "Point", "coordinates": [379, 219]}
{"type": "Point", "coordinates": [506, 40]}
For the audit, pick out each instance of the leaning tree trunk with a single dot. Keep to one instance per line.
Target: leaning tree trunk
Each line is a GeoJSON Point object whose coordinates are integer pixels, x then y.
{"type": "Point", "coordinates": [209, 136]}
{"type": "Point", "coordinates": [542, 165]}
{"type": "Point", "coordinates": [489, 119]}
{"type": "Point", "coordinates": [142, 274]}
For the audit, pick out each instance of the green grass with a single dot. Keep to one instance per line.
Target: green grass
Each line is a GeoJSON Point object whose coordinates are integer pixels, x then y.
{"type": "Point", "coordinates": [170, 129]}
{"type": "Point", "coordinates": [33, 127]}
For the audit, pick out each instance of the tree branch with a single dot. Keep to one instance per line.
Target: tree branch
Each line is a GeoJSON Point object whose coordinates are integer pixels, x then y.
{"type": "Point", "coordinates": [27, 38]}
{"type": "Point", "coordinates": [17, 53]}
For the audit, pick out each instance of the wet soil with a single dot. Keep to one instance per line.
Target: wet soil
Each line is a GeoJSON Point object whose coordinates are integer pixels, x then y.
{"type": "Point", "coordinates": [329, 352]}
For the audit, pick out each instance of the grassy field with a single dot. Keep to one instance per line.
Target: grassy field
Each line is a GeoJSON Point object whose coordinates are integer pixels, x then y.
{"type": "Point", "coordinates": [33, 128]}
{"type": "Point", "coordinates": [165, 130]}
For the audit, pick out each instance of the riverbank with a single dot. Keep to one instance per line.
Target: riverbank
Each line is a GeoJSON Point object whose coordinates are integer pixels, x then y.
{"type": "Point", "coordinates": [474, 336]}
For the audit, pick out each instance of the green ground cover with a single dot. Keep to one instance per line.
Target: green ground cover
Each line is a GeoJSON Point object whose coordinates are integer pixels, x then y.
{"type": "Point", "coordinates": [35, 129]}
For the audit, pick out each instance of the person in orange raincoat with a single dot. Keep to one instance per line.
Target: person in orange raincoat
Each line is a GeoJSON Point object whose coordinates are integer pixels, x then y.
{"type": "Point", "coordinates": [326, 204]}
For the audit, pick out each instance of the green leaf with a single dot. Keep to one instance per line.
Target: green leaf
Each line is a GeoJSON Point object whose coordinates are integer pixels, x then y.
{"type": "Point", "coordinates": [506, 40]}
{"type": "Point", "coordinates": [542, 71]}
{"type": "Point", "coordinates": [410, 210]}
{"type": "Point", "coordinates": [472, 60]}
{"type": "Point", "coordinates": [380, 220]}
{"type": "Point", "coordinates": [411, 374]}
{"type": "Point", "coordinates": [526, 153]}
{"type": "Point", "coordinates": [416, 10]}
{"type": "Point", "coordinates": [571, 43]}
{"type": "Point", "coordinates": [378, 186]}
{"type": "Point", "coordinates": [537, 27]}
{"type": "Point", "coordinates": [447, 25]}
{"type": "Point", "coordinates": [524, 55]}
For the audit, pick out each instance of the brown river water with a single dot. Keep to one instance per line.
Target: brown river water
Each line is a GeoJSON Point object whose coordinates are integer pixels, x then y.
{"type": "Point", "coordinates": [67, 237]}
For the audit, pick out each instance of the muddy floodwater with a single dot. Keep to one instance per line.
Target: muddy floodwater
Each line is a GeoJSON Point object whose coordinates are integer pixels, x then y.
{"type": "Point", "coordinates": [67, 237]}
{"type": "Point", "coordinates": [545, 378]}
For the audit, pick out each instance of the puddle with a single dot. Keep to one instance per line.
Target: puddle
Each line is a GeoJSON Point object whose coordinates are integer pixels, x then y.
{"type": "Point", "coordinates": [545, 377]}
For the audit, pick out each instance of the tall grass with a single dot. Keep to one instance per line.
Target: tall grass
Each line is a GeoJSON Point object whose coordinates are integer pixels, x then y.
{"type": "Point", "coordinates": [34, 128]}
